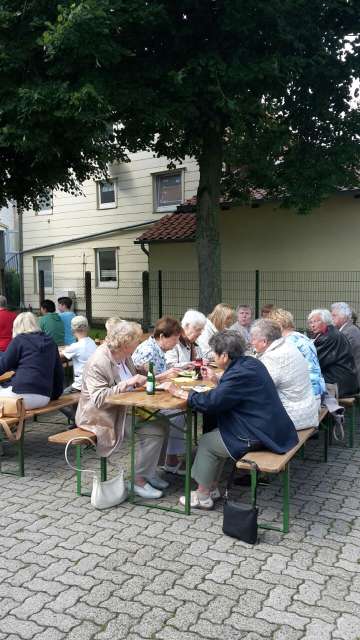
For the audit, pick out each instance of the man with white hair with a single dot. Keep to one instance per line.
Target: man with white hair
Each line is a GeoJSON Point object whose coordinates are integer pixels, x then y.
{"type": "Point", "coordinates": [342, 319]}
{"type": "Point", "coordinates": [334, 353]}
{"type": "Point", "coordinates": [289, 371]}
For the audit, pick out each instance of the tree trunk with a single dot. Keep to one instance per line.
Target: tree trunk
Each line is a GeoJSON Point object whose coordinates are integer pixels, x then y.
{"type": "Point", "coordinates": [207, 225]}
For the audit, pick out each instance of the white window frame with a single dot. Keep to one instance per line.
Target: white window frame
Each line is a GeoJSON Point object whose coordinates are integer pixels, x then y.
{"type": "Point", "coordinates": [112, 284]}
{"type": "Point", "coordinates": [107, 205]}
{"type": "Point", "coordinates": [47, 211]}
{"type": "Point", "coordinates": [168, 207]}
{"type": "Point", "coordinates": [36, 273]}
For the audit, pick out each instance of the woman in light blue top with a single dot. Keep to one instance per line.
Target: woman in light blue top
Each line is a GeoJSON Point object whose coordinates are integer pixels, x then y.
{"type": "Point", "coordinates": [306, 347]}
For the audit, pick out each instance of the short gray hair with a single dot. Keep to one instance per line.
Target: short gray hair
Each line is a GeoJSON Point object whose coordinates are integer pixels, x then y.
{"type": "Point", "coordinates": [324, 314]}
{"type": "Point", "coordinates": [230, 342]}
{"type": "Point", "coordinates": [122, 333]}
{"type": "Point", "coordinates": [194, 319]}
{"type": "Point", "coordinates": [267, 329]}
{"type": "Point", "coordinates": [243, 306]}
{"type": "Point", "coordinates": [343, 309]}
{"type": "Point", "coordinates": [3, 302]}
{"type": "Point", "coordinates": [79, 323]}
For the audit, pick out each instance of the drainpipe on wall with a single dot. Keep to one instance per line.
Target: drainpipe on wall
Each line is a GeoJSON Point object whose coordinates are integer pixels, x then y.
{"type": "Point", "coordinates": [21, 259]}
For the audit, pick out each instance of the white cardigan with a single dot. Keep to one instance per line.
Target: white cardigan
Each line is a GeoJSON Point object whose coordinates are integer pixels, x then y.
{"type": "Point", "coordinates": [203, 340]}
{"type": "Point", "coordinates": [289, 371]}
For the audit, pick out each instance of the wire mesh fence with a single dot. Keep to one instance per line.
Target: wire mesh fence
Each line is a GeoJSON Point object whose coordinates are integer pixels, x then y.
{"type": "Point", "coordinates": [172, 292]}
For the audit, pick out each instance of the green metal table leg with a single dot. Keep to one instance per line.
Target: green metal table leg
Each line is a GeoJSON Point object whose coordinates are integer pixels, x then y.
{"type": "Point", "coordinates": [253, 478]}
{"type": "Point", "coordinates": [132, 455]}
{"type": "Point", "coordinates": [195, 428]}
{"type": "Point", "coordinates": [103, 469]}
{"type": "Point", "coordinates": [188, 461]}
{"type": "Point", "coordinates": [78, 468]}
{"type": "Point", "coordinates": [286, 498]}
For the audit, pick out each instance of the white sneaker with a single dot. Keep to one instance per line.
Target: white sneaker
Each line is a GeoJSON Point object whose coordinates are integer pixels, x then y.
{"type": "Point", "coordinates": [158, 482]}
{"type": "Point", "coordinates": [147, 491]}
{"type": "Point", "coordinates": [196, 503]}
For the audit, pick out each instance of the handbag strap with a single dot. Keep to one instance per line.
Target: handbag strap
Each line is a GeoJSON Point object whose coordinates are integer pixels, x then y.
{"type": "Point", "coordinates": [230, 481]}
{"type": "Point", "coordinates": [15, 436]}
{"type": "Point", "coordinates": [67, 459]}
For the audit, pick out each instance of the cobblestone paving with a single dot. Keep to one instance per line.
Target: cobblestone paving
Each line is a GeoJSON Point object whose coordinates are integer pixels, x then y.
{"type": "Point", "coordinates": [68, 571]}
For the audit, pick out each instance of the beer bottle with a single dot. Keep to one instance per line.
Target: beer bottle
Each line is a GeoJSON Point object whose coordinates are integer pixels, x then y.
{"type": "Point", "coordinates": [150, 380]}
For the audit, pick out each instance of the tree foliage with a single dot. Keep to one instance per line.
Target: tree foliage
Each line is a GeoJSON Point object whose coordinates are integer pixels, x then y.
{"type": "Point", "coordinates": [264, 87]}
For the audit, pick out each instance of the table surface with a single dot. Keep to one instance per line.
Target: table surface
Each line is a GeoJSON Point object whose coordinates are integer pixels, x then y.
{"type": "Point", "coordinates": [160, 400]}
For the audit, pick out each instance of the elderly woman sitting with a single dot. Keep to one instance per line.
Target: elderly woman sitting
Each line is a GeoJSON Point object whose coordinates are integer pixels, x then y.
{"type": "Point", "coordinates": [306, 347]}
{"type": "Point", "coordinates": [221, 317]}
{"type": "Point", "coordinates": [182, 354]}
{"type": "Point", "coordinates": [111, 370]}
{"type": "Point", "coordinates": [249, 414]}
{"type": "Point", "coordinates": [34, 357]}
{"type": "Point", "coordinates": [289, 371]}
{"type": "Point", "coordinates": [334, 353]}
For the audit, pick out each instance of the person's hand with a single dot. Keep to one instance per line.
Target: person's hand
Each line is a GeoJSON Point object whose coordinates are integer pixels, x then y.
{"type": "Point", "coordinates": [170, 373]}
{"type": "Point", "coordinates": [136, 381]}
{"type": "Point", "coordinates": [209, 374]}
{"type": "Point", "coordinates": [174, 390]}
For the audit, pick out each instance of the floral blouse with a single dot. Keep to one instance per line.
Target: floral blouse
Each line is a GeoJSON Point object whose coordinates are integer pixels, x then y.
{"type": "Point", "coordinates": [149, 351]}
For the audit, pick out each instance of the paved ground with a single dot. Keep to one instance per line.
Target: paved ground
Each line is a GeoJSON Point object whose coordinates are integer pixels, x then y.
{"type": "Point", "coordinates": [67, 571]}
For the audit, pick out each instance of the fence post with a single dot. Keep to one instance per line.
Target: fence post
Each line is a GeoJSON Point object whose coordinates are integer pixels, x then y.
{"type": "Point", "coordinates": [2, 278]}
{"type": "Point", "coordinates": [146, 300]}
{"type": "Point", "coordinates": [257, 293]}
{"type": "Point", "coordinates": [41, 287]}
{"type": "Point", "coordinates": [88, 297]}
{"type": "Point", "coordinates": [160, 291]}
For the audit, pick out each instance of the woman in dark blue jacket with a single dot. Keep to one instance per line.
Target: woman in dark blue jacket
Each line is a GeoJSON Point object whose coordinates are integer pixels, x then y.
{"type": "Point", "coordinates": [250, 415]}
{"type": "Point", "coordinates": [34, 357]}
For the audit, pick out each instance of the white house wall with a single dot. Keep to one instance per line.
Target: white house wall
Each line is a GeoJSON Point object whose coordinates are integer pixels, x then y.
{"type": "Point", "coordinates": [79, 216]}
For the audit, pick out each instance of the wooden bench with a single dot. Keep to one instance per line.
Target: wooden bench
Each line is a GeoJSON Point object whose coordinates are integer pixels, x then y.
{"type": "Point", "coordinates": [54, 405]}
{"type": "Point", "coordinates": [275, 463]}
{"type": "Point", "coordinates": [64, 437]}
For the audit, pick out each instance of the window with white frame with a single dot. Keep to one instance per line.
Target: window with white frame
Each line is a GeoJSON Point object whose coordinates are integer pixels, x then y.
{"type": "Point", "coordinates": [45, 264]}
{"type": "Point", "coordinates": [45, 204]}
{"type": "Point", "coordinates": [107, 194]}
{"type": "Point", "coordinates": [168, 190]}
{"type": "Point", "coordinates": [106, 267]}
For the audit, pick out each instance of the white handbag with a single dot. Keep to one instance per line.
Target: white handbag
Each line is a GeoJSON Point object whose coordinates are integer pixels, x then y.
{"type": "Point", "coordinates": [104, 493]}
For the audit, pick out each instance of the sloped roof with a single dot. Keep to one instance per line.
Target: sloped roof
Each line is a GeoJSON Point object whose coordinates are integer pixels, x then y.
{"type": "Point", "coordinates": [174, 227]}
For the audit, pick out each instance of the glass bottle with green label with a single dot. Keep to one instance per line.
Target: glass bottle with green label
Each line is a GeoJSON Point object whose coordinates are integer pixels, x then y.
{"type": "Point", "coordinates": [150, 380]}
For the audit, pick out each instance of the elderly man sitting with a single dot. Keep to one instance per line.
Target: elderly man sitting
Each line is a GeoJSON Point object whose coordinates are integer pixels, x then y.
{"type": "Point", "coordinates": [334, 353]}
{"type": "Point", "coordinates": [342, 319]}
{"type": "Point", "coordinates": [242, 325]}
{"type": "Point", "coordinates": [289, 371]}
{"type": "Point", "coordinates": [249, 413]}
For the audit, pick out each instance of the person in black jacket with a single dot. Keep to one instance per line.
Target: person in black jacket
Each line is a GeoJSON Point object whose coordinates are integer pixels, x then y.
{"type": "Point", "coordinates": [334, 352]}
{"type": "Point", "coordinates": [250, 415]}
{"type": "Point", "coordinates": [34, 357]}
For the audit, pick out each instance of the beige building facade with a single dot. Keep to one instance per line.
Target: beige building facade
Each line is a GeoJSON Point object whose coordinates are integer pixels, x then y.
{"type": "Point", "coordinates": [95, 231]}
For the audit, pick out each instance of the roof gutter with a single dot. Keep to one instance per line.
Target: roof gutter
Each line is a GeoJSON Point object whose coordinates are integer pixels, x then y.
{"type": "Point", "coordinates": [101, 234]}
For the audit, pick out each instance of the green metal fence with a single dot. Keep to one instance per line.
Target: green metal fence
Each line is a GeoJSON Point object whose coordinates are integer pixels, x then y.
{"type": "Point", "coordinates": [172, 292]}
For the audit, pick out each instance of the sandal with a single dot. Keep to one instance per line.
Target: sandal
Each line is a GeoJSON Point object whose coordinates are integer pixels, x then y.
{"type": "Point", "coordinates": [196, 503]}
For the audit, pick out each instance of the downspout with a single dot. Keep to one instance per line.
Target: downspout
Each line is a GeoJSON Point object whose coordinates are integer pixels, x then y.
{"type": "Point", "coordinates": [146, 251]}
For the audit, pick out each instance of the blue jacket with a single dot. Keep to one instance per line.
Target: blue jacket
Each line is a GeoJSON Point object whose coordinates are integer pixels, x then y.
{"type": "Point", "coordinates": [35, 359]}
{"type": "Point", "coordinates": [247, 405]}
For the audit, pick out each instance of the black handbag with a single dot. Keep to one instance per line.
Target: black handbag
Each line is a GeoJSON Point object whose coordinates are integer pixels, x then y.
{"type": "Point", "coordinates": [240, 520]}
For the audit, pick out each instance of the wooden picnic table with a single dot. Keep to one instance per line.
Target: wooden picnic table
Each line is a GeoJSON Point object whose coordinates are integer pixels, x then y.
{"type": "Point", "coordinates": [151, 405]}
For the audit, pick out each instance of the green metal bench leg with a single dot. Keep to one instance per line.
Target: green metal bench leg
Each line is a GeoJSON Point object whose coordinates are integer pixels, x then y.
{"type": "Point", "coordinates": [21, 457]}
{"type": "Point", "coordinates": [188, 461]}
{"type": "Point", "coordinates": [352, 423]}
{"type": "Point", "coordinates": [253, 478]}
{"type": "Point", "coordinates": [103, 469]}
{"type": "Point", "coordinates": [286, 498]}
{"type": "Point", "coordinates": [78, 468]}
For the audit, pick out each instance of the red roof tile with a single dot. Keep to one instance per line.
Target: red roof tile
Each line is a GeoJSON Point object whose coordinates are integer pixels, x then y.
{"type": "Point", "coordinates": [175, 227]}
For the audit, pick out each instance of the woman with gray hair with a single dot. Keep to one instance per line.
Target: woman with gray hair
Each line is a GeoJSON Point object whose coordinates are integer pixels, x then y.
{"type": "Point", "coordinates": [110, 370]}
{"type": "Point", "coordinates": [334, 353]}
{"type": "Point", "coordinates": [289, 372]}
{"type": "Point", "coordinates": [249, 415]}
{"type": "Point", "coordinates": [183, 354]}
